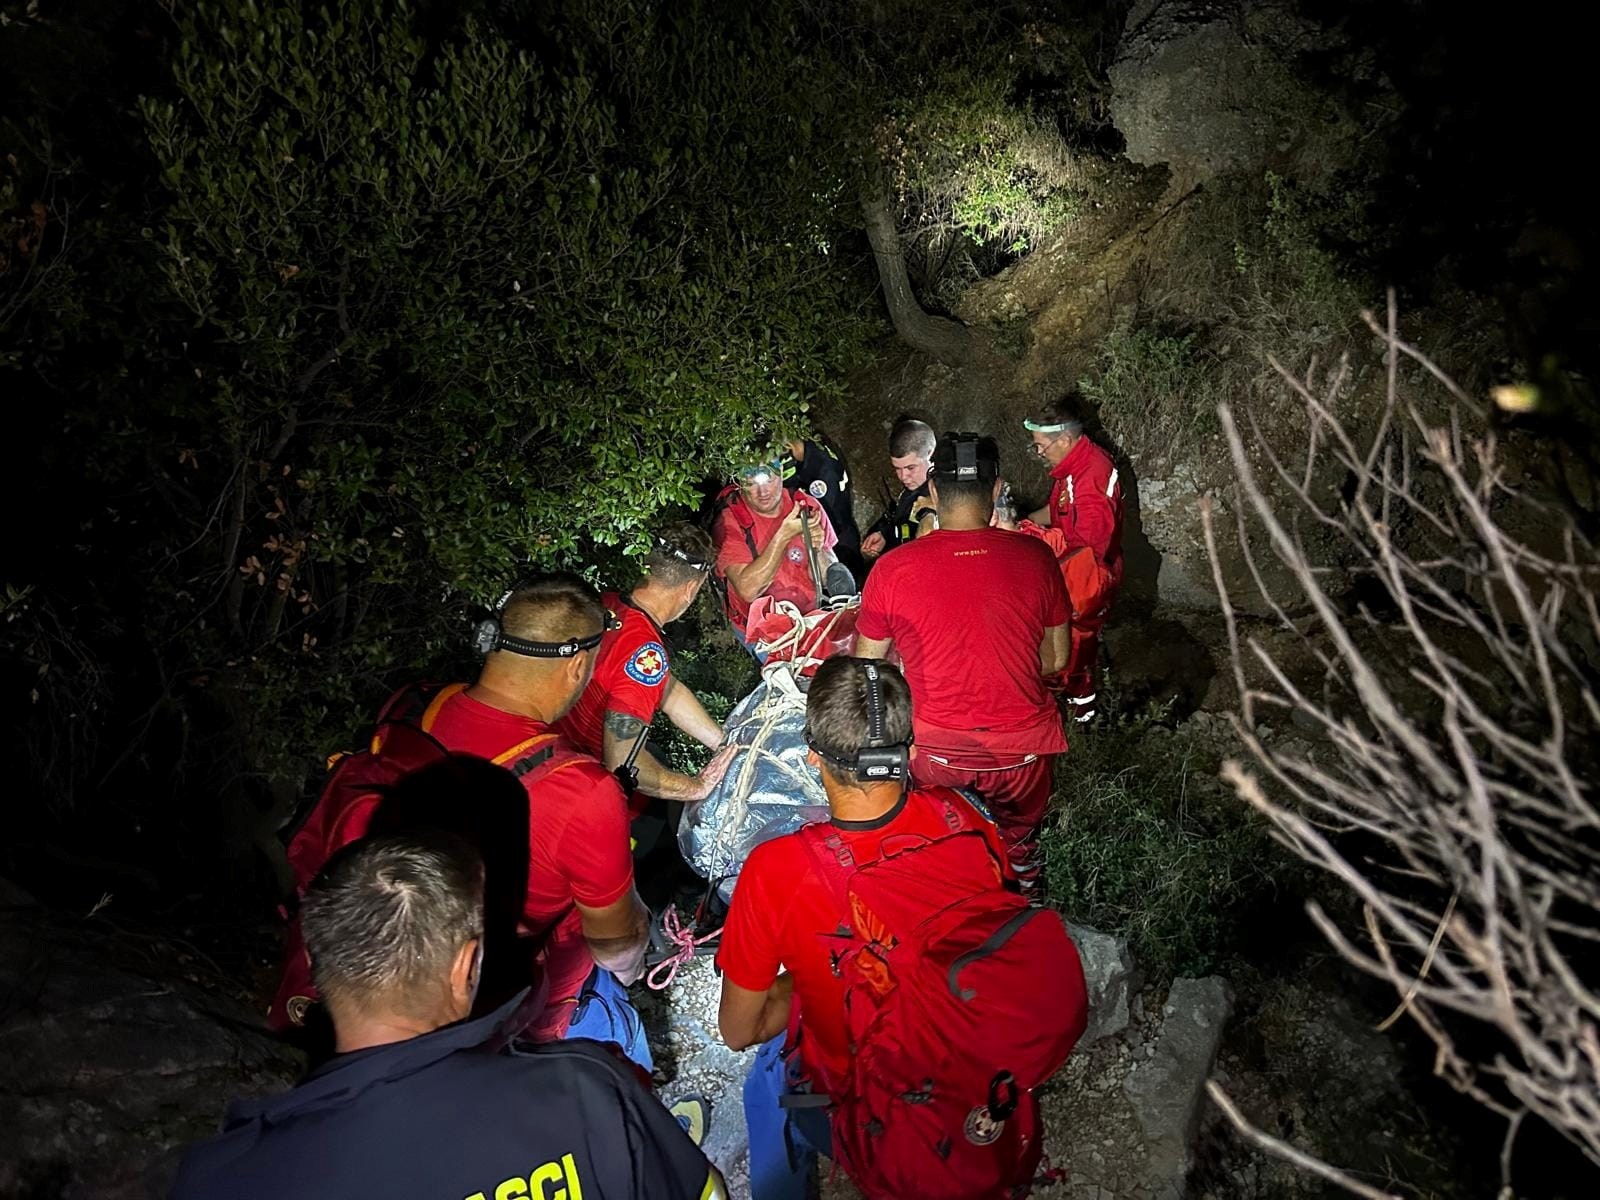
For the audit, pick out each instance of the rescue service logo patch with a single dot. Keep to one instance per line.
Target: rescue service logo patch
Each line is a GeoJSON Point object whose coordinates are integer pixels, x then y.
{"type": "Point", "coordinates": [818, 488]}
{"type": "Point", "coordinates": [648, 664]}
{"type": "Point", "coordinates": [796, 554]}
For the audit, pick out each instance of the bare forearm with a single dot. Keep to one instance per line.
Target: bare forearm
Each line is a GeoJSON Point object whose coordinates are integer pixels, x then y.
{"type": "Point", "coordinates": [775, 1012]}
{"type": "Point", "coordinates": [870, 648]}
{"type": "Point", "coordinates": [622, 953]}
{"type": "Point", "coordinates": [658, 779]}
{"type": "Point", "coordinates": [683, 709]}
{"type": "Point", "coordinates": [754, 578]}
{"type": "Point", "coordinates": [1055, 650]}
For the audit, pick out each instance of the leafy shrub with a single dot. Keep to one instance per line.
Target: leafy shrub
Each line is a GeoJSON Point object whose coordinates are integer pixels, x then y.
{"type": "Point", "coordinates": [1153, 386]}
{"type": "Point", "coordinates": [417, 310]}
{"type": "Point", "coordinates": [1146, 845]}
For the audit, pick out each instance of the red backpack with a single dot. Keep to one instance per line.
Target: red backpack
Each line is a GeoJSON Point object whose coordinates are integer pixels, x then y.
{"type": "Point", "coordinates": [960, 999]}
{"type": "Point", "coordinates": [357, 783]}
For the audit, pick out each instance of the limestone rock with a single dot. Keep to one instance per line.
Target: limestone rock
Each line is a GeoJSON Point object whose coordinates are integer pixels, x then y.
{"type": "Point", "coordinates": [1110, 976]}
{"type": "Point", "coordinates": [1168, 1092]}
{"type": "Point", "coordinates": [1210, 86]}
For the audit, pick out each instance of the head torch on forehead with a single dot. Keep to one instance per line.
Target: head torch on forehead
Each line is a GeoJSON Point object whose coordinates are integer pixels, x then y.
{"type": "Point", "coordinates": [1057, 427]}
{"type": "Point", "coordinates": [683, 556]}
{"type": "Point", "coordinates": [761, 474]}
{"type": "Point", "coordinates": [489, 635]}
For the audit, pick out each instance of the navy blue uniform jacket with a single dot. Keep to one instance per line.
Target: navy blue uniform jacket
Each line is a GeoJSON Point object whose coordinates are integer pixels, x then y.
{"type": "Point", "coordinates": [441, 1118]}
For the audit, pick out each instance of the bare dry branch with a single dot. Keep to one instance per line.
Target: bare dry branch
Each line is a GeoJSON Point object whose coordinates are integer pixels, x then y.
{"type": "Point", "coordinates": [1458, 724]}
{"type": "Point", "coordinates": [1284, 1150]}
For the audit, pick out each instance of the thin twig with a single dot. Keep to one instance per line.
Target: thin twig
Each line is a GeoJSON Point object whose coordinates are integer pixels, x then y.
{"type": "Point", "coordinates": [1276, 1146]}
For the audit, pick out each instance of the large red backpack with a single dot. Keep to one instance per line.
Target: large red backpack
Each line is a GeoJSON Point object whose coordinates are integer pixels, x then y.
{"type": "Point", "coordinates": [401, 744]}
{"type": "Point", "coordinates": [960, 999]}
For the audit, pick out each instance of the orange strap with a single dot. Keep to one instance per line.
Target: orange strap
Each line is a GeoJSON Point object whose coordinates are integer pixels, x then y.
{"type": "Point", "coordinates": [431, 713]}
{"type": "Point", "coordinates": [521, 748]}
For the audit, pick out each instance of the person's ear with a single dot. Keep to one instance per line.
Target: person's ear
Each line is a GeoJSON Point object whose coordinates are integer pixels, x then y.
{"type": "Point", "coordinates": [933, 490]}
{"type": "Point", "coordinates": [464, 973]}
{"type": "Point", "coordinates": [995, 493]}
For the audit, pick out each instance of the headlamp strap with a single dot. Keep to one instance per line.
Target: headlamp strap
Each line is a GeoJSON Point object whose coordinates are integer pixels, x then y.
{"type": "Point", "coordinates": [966, 459]}
{"type": "Point", "coordinates": [1059, 427]}
{"type": "Point", "coordinates": [874, 707]}
{"type": "Point", "coordinates": [699, 564]}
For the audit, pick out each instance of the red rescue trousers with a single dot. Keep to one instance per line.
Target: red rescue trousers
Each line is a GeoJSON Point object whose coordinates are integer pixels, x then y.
{"type": "Point", "coordinates": [1090, 588]}
{"type": "Point", "coordinates": [1016, 795]}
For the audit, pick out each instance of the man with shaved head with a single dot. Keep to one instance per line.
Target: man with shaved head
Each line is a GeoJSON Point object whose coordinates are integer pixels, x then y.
{"type": "Point", "coordinates": [582, 915]}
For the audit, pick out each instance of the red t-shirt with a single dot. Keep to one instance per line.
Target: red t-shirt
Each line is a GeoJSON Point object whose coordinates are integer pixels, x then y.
{"type": "Point", "coordinates": [578, 843]}
{"type": "Point", "coordinates": [630, 676]}
{"type": "Point", "coordinates": [967, 610]}
{"type": "Point", "coordinates": [793, 581]}
{"type": "Point", "coordinates": [783, 913]}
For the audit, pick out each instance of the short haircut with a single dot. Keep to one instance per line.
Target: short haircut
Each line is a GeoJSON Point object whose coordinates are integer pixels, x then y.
{"type": "Point", "coordinates": [552, 608]}
{"type": "Point", "coordinates": [911, 436]}
{"type": "Point", "coordinates": [963, 492]}
{"type": "Point", "coordinates": [386, 917]}
{"type": "Point", "coordinates": [1069, 409]}
{"type": "Point", "coordinates": [682, 553]}
{"type": "Point", "coordinates": [836, 710]}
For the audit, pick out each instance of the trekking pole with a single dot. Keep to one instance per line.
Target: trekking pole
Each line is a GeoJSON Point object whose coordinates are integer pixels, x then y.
{"type": "Point", "coordinates": [811, 555]}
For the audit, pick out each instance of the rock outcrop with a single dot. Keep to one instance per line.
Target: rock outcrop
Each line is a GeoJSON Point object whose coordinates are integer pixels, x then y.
{"type": "Point", "coordinates": [1168, 1091]}
{"type": "Point", "coordinates": [1211, 86]}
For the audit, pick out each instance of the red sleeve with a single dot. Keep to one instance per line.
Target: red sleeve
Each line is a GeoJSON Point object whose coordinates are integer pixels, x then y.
{"type": "Point", "coordinates": [594, 850]}
{"type": "Point", "coordinates": [1094, 520]}
{"type": "Point", "coordinates": [1048, 534]}
{"type": "Point", "coordinates": [638, 679]}
{"type": "Point", "coordinates": [873, 619]}
{"type": "Point", "coordinates": [749, 952]}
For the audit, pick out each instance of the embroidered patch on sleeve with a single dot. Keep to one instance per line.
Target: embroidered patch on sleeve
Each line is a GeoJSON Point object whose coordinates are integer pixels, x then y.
{"type": "Point", "coordinates": [648, 664]}
{"type": "Point", "coordinates": [818, 488]}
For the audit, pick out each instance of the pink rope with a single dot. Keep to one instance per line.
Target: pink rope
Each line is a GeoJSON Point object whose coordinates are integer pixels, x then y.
{"type": "Point", "coordinates": [681, 936]}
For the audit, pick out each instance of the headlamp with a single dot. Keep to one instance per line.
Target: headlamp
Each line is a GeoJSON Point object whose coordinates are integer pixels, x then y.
{"type": "Point", "coordinates": [1060, 427]}
{"type": "Point", "coordinates": [699, 564]}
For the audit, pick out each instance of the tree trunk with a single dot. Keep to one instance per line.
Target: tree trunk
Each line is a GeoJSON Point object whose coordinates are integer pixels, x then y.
{"type": "Point", "coordinates": [947, 341]}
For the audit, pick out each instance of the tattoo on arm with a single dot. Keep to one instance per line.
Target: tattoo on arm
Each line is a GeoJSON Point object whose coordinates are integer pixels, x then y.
{"type": "Point", "coordinates": [623, 726]}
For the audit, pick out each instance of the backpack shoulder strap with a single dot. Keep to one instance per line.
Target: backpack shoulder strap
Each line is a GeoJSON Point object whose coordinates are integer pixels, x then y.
{"type": "Point", "coordinates": [832, 859]}
{"type": "Point", "coordinates": [732, 499]}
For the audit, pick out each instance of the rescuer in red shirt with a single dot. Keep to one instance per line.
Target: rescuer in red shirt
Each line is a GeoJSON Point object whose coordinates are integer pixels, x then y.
{"type": "Point", "coordinates": [979, 616]}
{"type": "Point", "coordinates": [760, 551]}
{"type": "Point", "coordinates": [581, 911]}
{"type": "Point", "coordinates": [633, 678]}
{"type": "Point", "coordinates": [775, 955]}
{"type": "Point", "coordinates": [1082, 525]}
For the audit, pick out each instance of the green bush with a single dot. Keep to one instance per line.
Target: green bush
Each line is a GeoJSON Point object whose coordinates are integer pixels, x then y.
{"type": "Point", "coordinates": [1154, 388]}
{"type": "Point", "coordinates": [1145, 844]}
{"type": "Point", "coordinates": [420, 310]}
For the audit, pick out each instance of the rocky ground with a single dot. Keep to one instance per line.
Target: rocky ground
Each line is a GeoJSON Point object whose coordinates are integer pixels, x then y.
{"type": "Point", "coordinates": [1120, 1120]}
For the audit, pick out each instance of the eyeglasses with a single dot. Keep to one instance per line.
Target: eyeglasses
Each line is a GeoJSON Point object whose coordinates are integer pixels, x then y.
{"type": "Point", "coordinates": [1039, 448]}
